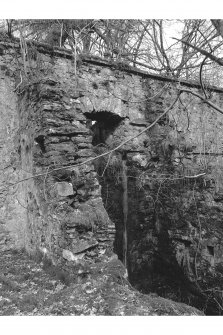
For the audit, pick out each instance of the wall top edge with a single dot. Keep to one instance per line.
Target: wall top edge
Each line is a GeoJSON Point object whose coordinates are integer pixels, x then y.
{"type": "Point", "coordinates": [85, 58]}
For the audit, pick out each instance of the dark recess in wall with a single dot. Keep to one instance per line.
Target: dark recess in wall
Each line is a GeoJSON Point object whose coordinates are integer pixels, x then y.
{"type": "Point", "coordinates": [106, 123]}
{"type": "Point", "coordinates": [103, 124]}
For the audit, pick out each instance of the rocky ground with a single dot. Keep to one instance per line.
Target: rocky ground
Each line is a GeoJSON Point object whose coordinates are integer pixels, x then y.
{"type": "Point", "coordinates": [28, 287]}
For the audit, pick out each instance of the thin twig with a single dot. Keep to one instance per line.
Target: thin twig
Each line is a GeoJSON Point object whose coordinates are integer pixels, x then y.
{"type": "Point", "coordinates": [167, 178]}
{"type": "Point", "coordinates": [19, 83]}
{"type": "Point", "coordinates": [220, 306]}
{"type": "Point", "coordinates": [196, 176]}
{"type": "Point", "coordinates": [201, 81]}
{"type": "Point", "coordinates": [109, 157]}
{"type": "Point", "coordinates": [61, 34]}
{"type": "Point", "coordinates": [44, 184]}
{"type": "Point", "coordinates": [208, 102]}
{"type": "Point", "coordinates": [23, 47]}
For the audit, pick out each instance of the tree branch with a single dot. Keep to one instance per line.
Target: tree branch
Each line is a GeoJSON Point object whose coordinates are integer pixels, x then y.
{"type": "Point", "coordinates": [201, 81]}
{"type": "Point", "coordinates": [203, 52]}
{"type": "Point", "coordinates": [208, 102]}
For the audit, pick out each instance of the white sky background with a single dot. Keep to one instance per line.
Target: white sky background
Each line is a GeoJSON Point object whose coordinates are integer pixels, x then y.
{"type": "Point", "coordinates": [120, 9]}
{"type": "Point", "coordinates": [125, 9]}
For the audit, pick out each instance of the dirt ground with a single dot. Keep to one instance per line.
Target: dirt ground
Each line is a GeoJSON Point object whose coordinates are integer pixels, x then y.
{"type": "Point", "coordinates": [34, 288]}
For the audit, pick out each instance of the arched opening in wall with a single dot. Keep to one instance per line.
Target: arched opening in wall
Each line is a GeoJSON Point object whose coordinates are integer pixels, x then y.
{"type": "Point", "coordinates": [105, 136]}
{"type": "Point", "coordinates": [103, 124]}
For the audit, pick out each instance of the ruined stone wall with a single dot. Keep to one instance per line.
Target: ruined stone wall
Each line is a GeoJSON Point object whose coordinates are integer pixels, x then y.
{"type": "Point", "coordinates": [62, 212]}
{"type": "Point", "coordinates": [59, 213]}
{"type": "Point", "coordinates": [67, 111]}
{"type": "Point", "coordinates": [174, 183]}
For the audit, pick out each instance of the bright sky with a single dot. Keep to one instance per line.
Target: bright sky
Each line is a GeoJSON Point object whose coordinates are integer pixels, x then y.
{"type": "Point", "coordinates": [143, 9]}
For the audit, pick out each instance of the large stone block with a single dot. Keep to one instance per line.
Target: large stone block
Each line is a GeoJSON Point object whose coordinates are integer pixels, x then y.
{"type": "Point", "coordinates": [64, 189]}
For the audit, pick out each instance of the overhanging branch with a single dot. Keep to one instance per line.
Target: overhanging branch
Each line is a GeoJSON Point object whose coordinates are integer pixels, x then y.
{"type": "Point", "coordinates": [208, 102]}
{"type": "Point", "coordinates": [202, 51]}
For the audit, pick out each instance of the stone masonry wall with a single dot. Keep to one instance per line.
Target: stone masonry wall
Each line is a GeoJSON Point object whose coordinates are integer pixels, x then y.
{"type": "Point", "coordinates": [67, 111]}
